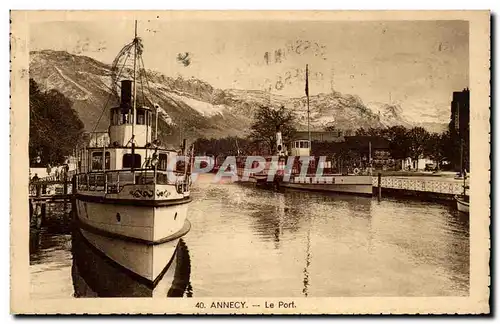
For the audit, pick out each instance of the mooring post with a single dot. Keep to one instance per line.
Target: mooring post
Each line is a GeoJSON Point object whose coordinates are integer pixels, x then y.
{"type": "Point", "coordinates": [73, 184]}
{"type": "Point", "coordinates": [36, 220]}
{"type": "Point", "coordinates": [379, 185]}
{"type": "Point", "coordinates": [65, 184]}
{"type": "Point", "coordinates": [43, 210]}
{"type": "Point", "coordinates": [65, 191]}
{"type": "Point", "coordinates": [73, 197]}
{"type": "Point", "coordinates": [32, 210]}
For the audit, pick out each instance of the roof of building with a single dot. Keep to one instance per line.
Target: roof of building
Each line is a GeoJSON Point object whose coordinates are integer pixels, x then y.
{"type": "Point", "coordinates": [321, 136]}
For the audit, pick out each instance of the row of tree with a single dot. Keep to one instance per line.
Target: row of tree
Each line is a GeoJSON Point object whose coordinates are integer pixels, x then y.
{"type": "Point", "coordinates": [55, 128]}
{"type": "Point", "coordinates": [415, 143]}
{"type": "Point", "coordinates": [403, 142]}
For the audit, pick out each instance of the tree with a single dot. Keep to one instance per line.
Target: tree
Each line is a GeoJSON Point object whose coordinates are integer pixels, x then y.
{"type": "Point", "coordinates": [222, 146]}
{"type": "Point", "coordinates": [418, 138]}
{"type": "Point", "coordinates": [268, 121]}
{"type": "Point", "coordinates": [55, 129]}
{"type": "Point", "coordinates": [361, 132]}
{"type": "Point", "coordinates": [331, 128]}
{"type": "Point", "coordinates": [399, 142]}
{"type": "Point", "coordinates": [437, 146]}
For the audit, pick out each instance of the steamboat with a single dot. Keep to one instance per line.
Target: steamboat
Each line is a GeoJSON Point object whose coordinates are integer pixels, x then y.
{"type": "Point", "coordinates": [295, 168]}
{"type": "Point", "coordinates": [131, 194]}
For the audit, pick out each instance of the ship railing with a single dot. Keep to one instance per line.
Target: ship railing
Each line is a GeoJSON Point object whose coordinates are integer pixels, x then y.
{"type": "Point", "coordinates": [113, 181]}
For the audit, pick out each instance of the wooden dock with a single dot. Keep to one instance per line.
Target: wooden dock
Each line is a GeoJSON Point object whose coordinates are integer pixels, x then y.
{"type": "Point", "coordinates": [40, 199]}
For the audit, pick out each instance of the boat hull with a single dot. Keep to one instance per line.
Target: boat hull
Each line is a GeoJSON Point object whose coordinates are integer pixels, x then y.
{"type": "Point", "coordinates": [145, 224]}
{"type": "Point", "coordinates": [146, 261]}
{"type": "Point", "coordinates": [140, 238]}
{"type": "Point", "coordinates": [360, 185]}
{"type": "Point", "coordinates": [462, 205]}
{"type": "Point", "coordinates": [96, 275]}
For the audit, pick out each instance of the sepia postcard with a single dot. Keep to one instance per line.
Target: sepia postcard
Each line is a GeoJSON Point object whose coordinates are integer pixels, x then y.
{"type": "Point", "coordinates": [250, 162]}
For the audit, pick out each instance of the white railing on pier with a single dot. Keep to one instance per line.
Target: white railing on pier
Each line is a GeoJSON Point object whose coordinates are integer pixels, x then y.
{"type": "Point", "coordinates": [427, 185]}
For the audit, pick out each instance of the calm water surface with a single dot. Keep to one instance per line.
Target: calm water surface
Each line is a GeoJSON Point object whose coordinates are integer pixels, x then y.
{"type": "Point", "coordinates": [258, 243]}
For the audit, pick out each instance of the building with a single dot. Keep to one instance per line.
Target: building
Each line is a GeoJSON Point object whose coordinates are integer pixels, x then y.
{"type": "Point", "coordinates": [459, 128]}
{"type": "Point", "coordinates": [460, 112]}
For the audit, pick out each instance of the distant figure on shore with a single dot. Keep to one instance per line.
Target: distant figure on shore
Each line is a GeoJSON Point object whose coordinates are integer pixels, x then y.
{"type": "Point", "coordinates": [35, 177]}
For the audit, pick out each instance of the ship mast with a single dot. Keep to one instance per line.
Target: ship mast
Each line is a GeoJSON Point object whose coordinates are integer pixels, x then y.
{"type": "Point", "coordinates": [135, 98]}
{"type": "Point", "coordinates": [307, 94]}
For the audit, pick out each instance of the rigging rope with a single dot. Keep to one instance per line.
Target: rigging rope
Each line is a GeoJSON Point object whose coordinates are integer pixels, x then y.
{"type": "Point", "coordinates": [151, 94]}
{"type": "Point", "coordinates": [147, 80]}
{"type": "Point", "coordinates": [142, 86]}
{"type": "Point", "coordinates": [113, 93]}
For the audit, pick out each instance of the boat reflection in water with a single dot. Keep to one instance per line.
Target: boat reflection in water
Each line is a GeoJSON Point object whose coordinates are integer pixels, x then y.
{"type": "Point", "coordinates": [95, 275]}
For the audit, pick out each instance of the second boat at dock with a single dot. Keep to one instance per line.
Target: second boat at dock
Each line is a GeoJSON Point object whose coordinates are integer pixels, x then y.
{"type": "Point", "coordinates": [357, 182]}
{"type": "Point", "coordinates": [307, 177]}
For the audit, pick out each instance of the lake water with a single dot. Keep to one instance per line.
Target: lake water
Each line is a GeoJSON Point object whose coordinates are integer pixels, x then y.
{"type": "Point", "coordinates": [257, 243]}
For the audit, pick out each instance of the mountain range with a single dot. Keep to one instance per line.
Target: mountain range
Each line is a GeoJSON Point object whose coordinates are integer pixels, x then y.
{"type": "Point", "coordinates": [192, 108]}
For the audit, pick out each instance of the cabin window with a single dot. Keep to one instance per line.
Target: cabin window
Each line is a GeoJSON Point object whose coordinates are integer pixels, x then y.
{"type": "Point", "coordinates": [128, 158]}
{"type": "Point", "coordinates": [162, 161]}
{"type": "Point", "coordinates": [304, 144]}
{"type": "Point", "coordinates": [119, 117]}
{"type": "Point", "coordinates": [115, 117]}
{"type": "Point", "coordinates": [141, 117]}
{"type": "Point", "coordinates": [125, 118]}
{"type": "Point", "coordinates": [97, 161]}
{"type": "Point", "coordinates": [147, 117]}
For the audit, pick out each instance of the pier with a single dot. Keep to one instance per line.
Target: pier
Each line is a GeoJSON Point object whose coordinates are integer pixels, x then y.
{"type": "Point", "coordinates": [47, 192]}
{"type": "Point", "coordinates": [421, 187]}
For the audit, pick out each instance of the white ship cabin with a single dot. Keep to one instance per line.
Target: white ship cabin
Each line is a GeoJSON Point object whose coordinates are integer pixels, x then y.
{"type": "Point", "coordinates": [300, 148]}
{"type": "Point", "coordinates": [120, 129]}
{"type": "Point", "coordinates": [146, 163]}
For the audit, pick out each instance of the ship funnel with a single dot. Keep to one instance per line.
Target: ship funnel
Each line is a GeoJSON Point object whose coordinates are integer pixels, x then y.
{"type": "Point", "coordinates": [126, 95]}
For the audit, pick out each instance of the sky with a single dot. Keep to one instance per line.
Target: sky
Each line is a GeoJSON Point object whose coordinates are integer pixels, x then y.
{"type": "Point", "coordinates": [416, 64]}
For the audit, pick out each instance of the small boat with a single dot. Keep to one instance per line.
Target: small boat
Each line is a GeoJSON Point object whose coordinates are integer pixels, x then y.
{"type": "Point", "coordinates": [130, 202]}
{"type": "Point", "coordinates": [462, 203]}
{"type": "Point", "coordinates": [463, 199]}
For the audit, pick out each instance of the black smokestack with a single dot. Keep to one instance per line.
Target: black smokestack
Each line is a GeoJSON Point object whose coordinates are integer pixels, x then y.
{"type": "Point", "coordinates": [126, 98]}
